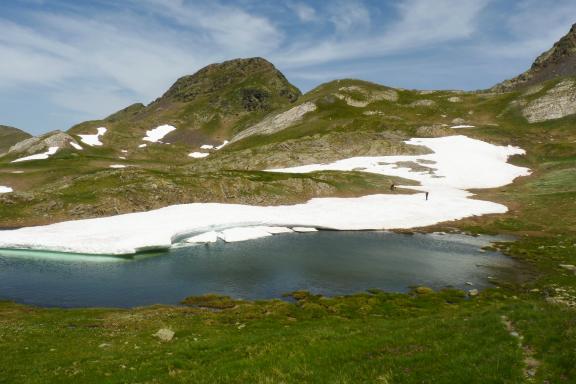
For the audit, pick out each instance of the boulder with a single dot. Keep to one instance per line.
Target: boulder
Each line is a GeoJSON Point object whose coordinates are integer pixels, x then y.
{"type": "Point", "coordinates": [164, 334]}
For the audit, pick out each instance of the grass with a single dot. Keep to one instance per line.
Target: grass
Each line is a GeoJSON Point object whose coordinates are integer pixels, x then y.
{"type": "Point", "coordinates": [372, 337]}
{"type": "Point", "coordinates": [363, 338]}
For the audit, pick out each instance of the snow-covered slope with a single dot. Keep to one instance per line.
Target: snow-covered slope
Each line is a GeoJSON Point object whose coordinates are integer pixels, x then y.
{"type": "Point", "coordinates": [458, 163]}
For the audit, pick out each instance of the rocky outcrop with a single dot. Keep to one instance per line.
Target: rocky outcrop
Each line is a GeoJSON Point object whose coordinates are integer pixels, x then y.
{"type": "Point", "coordinates": [359, 97]}
{"type": "Point", "coordinates": [558, 102]}
{"type": "Point", "coordinates": [10, 136]}
{"type": "Point", "coordinates": [42, 143]}
{"type": "Point", "coordinates": [277, 123]}
{"type": "Point", "coordinates": [558, 61]}
{"type": "Point", "coordinates": [312, 149]}
{"type": "Point", "coordinates": [422, 103]}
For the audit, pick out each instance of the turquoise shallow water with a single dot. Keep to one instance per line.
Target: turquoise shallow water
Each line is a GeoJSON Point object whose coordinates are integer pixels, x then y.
{"type": "Point", "coordinates": [326, 262]}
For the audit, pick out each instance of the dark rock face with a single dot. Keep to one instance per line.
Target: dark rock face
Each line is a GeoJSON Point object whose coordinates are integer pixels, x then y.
{"type": "Point", "coordinates": [558, 61]}
{"type": "Point", "coordinates": [254, 99]}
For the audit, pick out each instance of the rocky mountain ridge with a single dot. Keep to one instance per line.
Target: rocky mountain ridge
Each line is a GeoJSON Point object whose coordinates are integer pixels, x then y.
{"type": "Point", "coordinates": [558, 61]}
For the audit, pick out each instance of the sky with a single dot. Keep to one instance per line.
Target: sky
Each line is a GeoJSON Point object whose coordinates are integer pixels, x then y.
{"type": "Point", "coordinates": [67, 61]}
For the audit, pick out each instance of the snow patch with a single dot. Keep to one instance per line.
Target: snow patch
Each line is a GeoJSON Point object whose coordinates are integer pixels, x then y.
{"type": "Point", "coordinates": [198, 155]}
{"type": "Point", "coordinates": [157, 134]}
{"type": "Point", "coordinates": [237, 234]}
{"type": "Point", "coordinates": [456, 164]}
{"type": "Point", "coordinates": [304, 229]}
{"type": "Point", "coordinates": [4, 189]}
{"type": "Point", "coordinates": [207, 237]}
{"type": "Point", "coordinates": [117, 166]}
{"type": "Point", "coordinates": [76, 146]}
{"type": "Point", "coordinates": [38, 156]}
{"type": "Point", "coordinates": [94, 140]}
{"type": "Point", "coordinates": [207, 146]}
{"type": "Point", "coordinates": [142, 145]}
{"type": "Point", "coordinates": [242, 234]}
{"type": "Point", "coordinates": [462, 126]}
{"type": "Point", "coordinates": [222, 145]}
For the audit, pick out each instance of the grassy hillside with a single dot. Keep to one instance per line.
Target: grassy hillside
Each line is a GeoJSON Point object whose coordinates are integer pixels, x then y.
{"type": "Point", "coordinates": [206, 108]}
{"type": "Point", "coordinates": [10, 136]}
{"type": "Point", "coordinates": [519, 331]}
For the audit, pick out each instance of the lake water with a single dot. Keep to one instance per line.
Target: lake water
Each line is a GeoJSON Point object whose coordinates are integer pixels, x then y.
{"type": "Point", "coordinates": [325, 262]}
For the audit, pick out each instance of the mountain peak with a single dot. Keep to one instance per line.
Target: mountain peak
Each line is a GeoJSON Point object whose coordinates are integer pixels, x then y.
{"type": "Point", "coordinates": [221, 76]}
{"type": "Point", "coordinates": [558, 61]}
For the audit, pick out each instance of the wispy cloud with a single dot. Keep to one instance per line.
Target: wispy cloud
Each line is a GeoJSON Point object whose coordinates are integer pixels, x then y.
{"type": "Point", "coordinates": [303, 11]}
{"type": "Point", "coordinates": [417, 25]}
{"type": "Point", "coordinates": [90, 59]}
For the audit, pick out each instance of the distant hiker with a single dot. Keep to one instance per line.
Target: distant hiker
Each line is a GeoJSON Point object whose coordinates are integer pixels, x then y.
{"type": "Point", "coordinates": [392, 187]}
{"type": "Point", "coordinates": [426, 196]}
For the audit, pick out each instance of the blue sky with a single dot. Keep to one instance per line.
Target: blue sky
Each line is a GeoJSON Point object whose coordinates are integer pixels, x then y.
{"type": "Point", "coordinates": [66, 61]}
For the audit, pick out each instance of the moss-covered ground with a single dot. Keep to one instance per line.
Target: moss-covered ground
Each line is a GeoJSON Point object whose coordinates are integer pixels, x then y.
{"type": "Point", "coordinates": [515, 332]}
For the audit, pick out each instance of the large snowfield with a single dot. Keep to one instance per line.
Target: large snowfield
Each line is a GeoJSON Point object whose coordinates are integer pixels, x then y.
{"type": "Point", "coordinates": [457, 163]}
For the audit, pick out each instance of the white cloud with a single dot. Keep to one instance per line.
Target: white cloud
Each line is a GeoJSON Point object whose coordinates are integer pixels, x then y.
{"type": "Point", "coordinates": [304, 12]}
{"type": "Point", "coordinates": [420, 24]}
{"type": "Point", "coordinates": [349, 16]}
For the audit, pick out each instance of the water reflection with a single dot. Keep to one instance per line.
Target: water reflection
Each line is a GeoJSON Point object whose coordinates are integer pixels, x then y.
{"type": "Point", "coordinates": [331, 263]}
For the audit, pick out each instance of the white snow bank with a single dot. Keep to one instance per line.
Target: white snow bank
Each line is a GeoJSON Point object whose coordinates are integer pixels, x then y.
{"type": "Point", "coordinates": [4, 189]}
{"type": "Point", "coordinates": [118, 166]}
{"type": "Point", "coordinates": [94, 140]}
{"type": "Point", "coordinates": [242, 234]}
{"type": "Point", "coordinates": [207, 146]}
{"type": "Point", "coordinates": [158, 133]}
{"type": "Point", "coordinates": [38, 156]}
{"type": "Point", "coordinates": [304, 229]}
{"type": "Point", "coordinates": [458, 163]}
{"type": "Point", "coordinates": [230, 235]}
{"type": "Point", "coordinates": [76, 146]}
{"type": "Point", "coordinates": [222, 145]}
{"type": "Point", "coordinates": [207, 237]}
{"type": "Point", "coordinates": [462, 126]}
{"type": "Point", "coordinates": [198, 155]}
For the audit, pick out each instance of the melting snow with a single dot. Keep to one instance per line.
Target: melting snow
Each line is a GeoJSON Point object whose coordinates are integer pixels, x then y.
{"type": "Point", "coordinates": [76, 146]}
{"type": "Point", "coordinates": [158, 133]}
{"type": "Point", "coordinates": [458, 163]}
{"type": "Point", "coordinates": [4, 189]}
{"type": "Point", "coordinates": [117, 166]}
{"type": "Point", "coordinates": [38, 156]}
{"type": "Point", "coordinates": [207, 237]}
{"type": "Point", "coordinates": [198, 155]}
{"type": "Point", "coordinates": [304, 229]}
{"type": "Point", "coordinates": [93, 140]}
{"type": "Point", "coordinates": [142, 145]}
{"type": "Point", "coordinates": [207, 146]}
{"type": "Point", "coordinates": [462, 126]}
{"type": "Point", "coordinates": [222, 145]}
